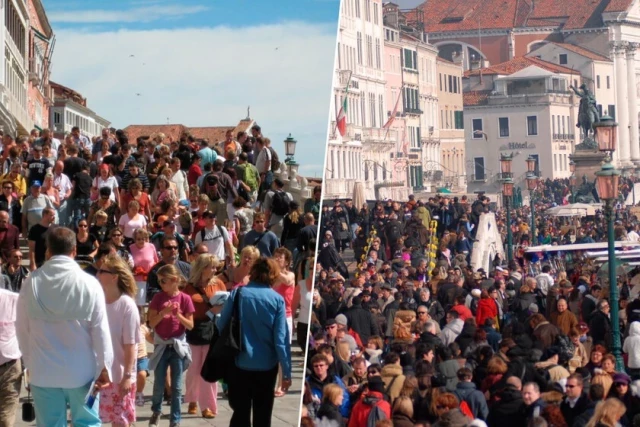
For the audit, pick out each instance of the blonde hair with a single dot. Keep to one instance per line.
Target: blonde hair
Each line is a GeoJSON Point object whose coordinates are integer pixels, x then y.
{"type": "Point", "coordinates": [403, 405]}
{"type": "Point", "coordinates": [343, 350]}
{"type": "Point", "coordinates": [295, 216]}
{"type": "Point", "coordinates": [197, 267]}
{"type": "Point", "coordinates": [126, 281]}
{"type": "Point", "coordinates": [170, 271]}
{"type": "Point", "coordinates": [134, 205]}
{"type": "Point", "coordinates": [140, 232]}
{"type": "Point", "coordinates": [330, 393]}
{"type": "Point", "coordinates": [251, 251]}
{"type": "Point", "coordinates": [101, 214]}
{"type": "Point", "coordinates": [607, 413]}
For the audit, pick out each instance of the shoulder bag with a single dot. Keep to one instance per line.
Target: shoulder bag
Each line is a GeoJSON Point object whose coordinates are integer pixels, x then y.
{"type": "Point", "coordinates": [202, 331]}
{"type": "Point", "coordinates": [225, 346]}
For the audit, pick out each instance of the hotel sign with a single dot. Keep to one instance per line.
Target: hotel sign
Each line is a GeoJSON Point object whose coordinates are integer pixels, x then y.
{"type": "Point", "coordinates": [517, 146]}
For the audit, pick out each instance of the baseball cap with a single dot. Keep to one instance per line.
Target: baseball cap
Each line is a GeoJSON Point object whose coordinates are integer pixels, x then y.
{"type": "Point", "coordinates": [167, 223]}
{"type": "Point", "coordinates": [36, 183]}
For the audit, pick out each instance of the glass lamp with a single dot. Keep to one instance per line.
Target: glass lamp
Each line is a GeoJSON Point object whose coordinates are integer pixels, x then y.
{"type": "Point", "coordinates": [607, 182]}
{"type": "Point", "coordinates": [290, 146]}
{"type": "Point", "coordinates": [531, 164]}
{"type": "Point", "coordinates": [507, 187]}
{"type": "Point", "coordinates": [532, 181]}
{"type": "Point", "coordinates": [606, 131]}
{"type": "Point", "coordinates": [505, 165]}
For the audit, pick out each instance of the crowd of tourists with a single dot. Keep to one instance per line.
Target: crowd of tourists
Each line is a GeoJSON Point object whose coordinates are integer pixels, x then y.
{"type": "Point", "coordinates": [404, 332]}
{"type": "Point", "coordinates": [147, 244]}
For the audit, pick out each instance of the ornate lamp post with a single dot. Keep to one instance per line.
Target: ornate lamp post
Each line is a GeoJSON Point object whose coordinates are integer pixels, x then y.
{"type": "Point", "coordinates": [607, 181]}
{"type": "Point", "coordinates": [532, 184]}
{"type": "Point", "coordinates": [507, 192]}
{"type": "Point", "coordinates": [290, 151]}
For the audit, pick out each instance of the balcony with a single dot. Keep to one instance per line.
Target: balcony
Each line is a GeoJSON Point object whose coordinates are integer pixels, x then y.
{"type": "Point", "coordinates": [414, 111]}
{"type": "Point", "coordinates": [14, 49]}
{"type": "Point", "coordinates": [548, 97]}
{"type": "Point", "coordinates": [335, 188]}
{"type": "Point", "coordinates": [564, 137]}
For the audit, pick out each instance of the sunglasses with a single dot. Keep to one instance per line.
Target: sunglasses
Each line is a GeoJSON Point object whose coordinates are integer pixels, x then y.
{"type": "Point", "coordinates": [7, 188]}
{"type": "Point", "coordinates": [102, 271]}
{"type": "Point", "coordinates": [82, 226]}
{"type": "Point", "coordinates": [170, 248]}
{"type": "Point", "coordinates": [117, 235]}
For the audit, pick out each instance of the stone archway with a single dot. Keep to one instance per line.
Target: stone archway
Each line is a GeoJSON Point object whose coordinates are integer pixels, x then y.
{"type": "Point", "coordinates": [448, 49]}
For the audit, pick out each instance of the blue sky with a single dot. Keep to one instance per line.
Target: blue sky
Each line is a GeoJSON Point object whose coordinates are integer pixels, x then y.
{"type": "Point", "coordinates": [200, 63]}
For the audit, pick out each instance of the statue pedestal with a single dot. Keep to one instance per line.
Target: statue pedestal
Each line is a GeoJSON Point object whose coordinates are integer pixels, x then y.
{"type": "Point", "coordinates": [587, 164]}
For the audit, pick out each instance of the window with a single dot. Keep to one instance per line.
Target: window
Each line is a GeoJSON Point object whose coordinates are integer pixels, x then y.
{"type": "Point", "coordinates": [458, 119]}
{"type": "Point", "coordinates": [450, 83]}
{"type": "Point", "coordinates": [370, 51]}
{"type": "Point", "coordinates": [375, 13]}
{"type": "Point", "coordinates": [357, 8]}
{"type": "Point", "coordinates": [410, 59]}
{"type": "Point", "coordinates": [555, 162]}
{"type": "Point", "coordinates": [599, 108]}
{"type": "Point", "coordinates": [553, 125]}
{"type": "Point", "coordinates": [359, 48]}
{"type": "Point", "coordinates": [532, 125]}
{"type": "Point", "coordinates": [367, 10]}
{"type": "Point", "coordinates": [455, 84]}
{"type": "Point", "coordinates": [476, 128]}
{"type": "Point", "coordinates": [503, 123]}
{"type": "Point", "coordinates": [440, 76]}
{"type": "Point", "coordinates": [411, 99]}
{"type": "Point", "coordinates": [478, 168]}
{"type": "Point", "coordinates": [381, 109]}
{"type": "Point", "coordinates": [612, 111]}
{"type": "Point", "coordinates": [378, 62]}
{"type": "Point", "coordinates": [56, 118]}
{"type": "Point", "coordinates": [608, 82]}
{"type": "Point", "coordinates": [563, 59]}
{"type": "Point", "coordinates": [598, 82]}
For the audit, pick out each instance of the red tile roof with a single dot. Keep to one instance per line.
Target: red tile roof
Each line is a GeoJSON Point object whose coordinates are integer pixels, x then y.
{"type": "Point", "coordinates": [584, 52]}
{"type": "Point", "coordinates": [212, 133]}
{"type": "Point", "coordinates": [476, 97]}
{"type": "Point", "coordinates": [467, 15]}
{"type": "Point", "coordinates": [520, 63]}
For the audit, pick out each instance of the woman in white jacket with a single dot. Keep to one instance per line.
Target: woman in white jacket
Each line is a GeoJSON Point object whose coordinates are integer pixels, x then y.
{"type": "Point", "coordinates": [632, 348]}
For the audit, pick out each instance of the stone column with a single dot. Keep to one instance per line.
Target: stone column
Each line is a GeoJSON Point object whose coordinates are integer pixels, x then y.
{"type": "Point", "coordinates": [622, 103]}
{"type": "Point", "coordinates": [634, 142]}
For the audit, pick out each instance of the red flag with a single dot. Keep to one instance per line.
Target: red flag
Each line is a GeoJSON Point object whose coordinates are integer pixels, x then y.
{"type": "Point", "coordinates": [342, 118]}
{"type": "Point", "coordinates": [393, 113]}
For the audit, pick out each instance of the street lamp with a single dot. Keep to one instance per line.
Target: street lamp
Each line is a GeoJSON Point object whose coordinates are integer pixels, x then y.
{"type": "Point", "coordinates": [507, 192]}
{"type": "Point", "coordinates": [572, 180]}
{"type": "Point", "coordinates": [290, 150]}
{"type": "Point", "coordinates": [505, 165]}
{"type": "Point", "coordinates": [532, 184]}
{"type": "Point", "coordinates": [607, 181]}
{"type": "Point", "coordinates": [531, 164]}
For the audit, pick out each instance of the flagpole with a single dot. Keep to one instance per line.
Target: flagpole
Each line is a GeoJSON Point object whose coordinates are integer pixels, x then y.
{"type": "Point", "coordinates": [342, 103]}
{"type": "Point", "coordinates": [395, 112]}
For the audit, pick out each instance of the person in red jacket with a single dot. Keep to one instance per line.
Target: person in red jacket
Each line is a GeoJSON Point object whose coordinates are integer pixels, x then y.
{"type": "Point", "coordinates": [370, 399]}
{"type": "Point", "coordinates": [463, 311]}
{"type": "Point", "coordinates": [487, 308]}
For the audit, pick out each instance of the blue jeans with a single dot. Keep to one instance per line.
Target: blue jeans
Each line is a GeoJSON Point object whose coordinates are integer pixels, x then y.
{"type": "Point", "coordinates": [51, 407]}
{"type": "Point", "coordinates": [64, 213]}
{"type": "Point", "coordinates": [169, 359]}
{"type": "Point", "coordinates": [79, 210]}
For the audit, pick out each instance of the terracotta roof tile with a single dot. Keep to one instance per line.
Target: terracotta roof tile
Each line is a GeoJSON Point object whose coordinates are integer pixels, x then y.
{"type": "Point", "coordinates": [172, 132]}
{"type": "Point", "coordinates": [212, 133]}
{"type": "Point", "coordinates": [584, 52]}
{"type": "Point", "coordinates": [520, 63]}
{"type": "Point", "coordinates": [475, 97]}
{"type": "Point", "coordinates": [465, 15]}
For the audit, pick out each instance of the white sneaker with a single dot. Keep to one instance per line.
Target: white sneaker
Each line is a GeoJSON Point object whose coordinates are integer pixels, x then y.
{"type": "Point", "coordinates": [140, 399]}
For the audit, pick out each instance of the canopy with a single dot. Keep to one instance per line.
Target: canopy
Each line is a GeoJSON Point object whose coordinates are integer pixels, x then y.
{"type": "Point", "coordinates": [443, 190]}
{"type": "Point", "coordinates": [575, 209]}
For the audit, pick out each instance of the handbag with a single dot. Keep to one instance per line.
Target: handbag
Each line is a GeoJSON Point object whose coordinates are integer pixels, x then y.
{"type": "Point", "coordinates": [202, 331]}
{"type": "Point", "coordinates": [225, 346]}
{"type": "Point", "coordinates": [28, 411]}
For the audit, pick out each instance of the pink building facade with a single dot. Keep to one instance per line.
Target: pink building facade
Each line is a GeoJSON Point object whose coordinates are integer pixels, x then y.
{"type": "Point", "coordinates": [40, 44]}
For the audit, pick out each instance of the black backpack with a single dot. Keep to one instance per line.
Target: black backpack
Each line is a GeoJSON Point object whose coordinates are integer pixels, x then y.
{"type": "Point", "coordinates": [566, 347]}
{"type": "Point", "coordinates": [280, 203]}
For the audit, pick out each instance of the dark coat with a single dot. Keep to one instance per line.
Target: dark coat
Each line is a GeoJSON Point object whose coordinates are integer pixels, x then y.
{"type": "Point", "coordinates": [362, 321]}
{"type": "Point", "coordinates": [545, 335]}
{"type": "Point", "coordinates": [569, 414]}
{"type": "Point", "coordinates": [401, 420]}
{"type": "Point", "coordinates": [330, 412]}
{"type": "Point", "coordinates": [600, 329]}
{"type": "Point", "coordinates": [475, 399]}
{"type": "Point", "coordinates": [508, 411]}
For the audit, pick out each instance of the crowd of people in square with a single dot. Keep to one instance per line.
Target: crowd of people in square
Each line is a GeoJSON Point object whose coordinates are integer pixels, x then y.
{"type": "Point", "coordinates": [146, 244]}
{"type": "Point", "coordinates": [405, 332]}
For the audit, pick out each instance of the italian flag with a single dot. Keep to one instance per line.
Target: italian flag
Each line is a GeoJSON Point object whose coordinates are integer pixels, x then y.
{"type": "Point", "coordinates": [341, 120]}
{"type": "Point", "coordinates": [342, 117]}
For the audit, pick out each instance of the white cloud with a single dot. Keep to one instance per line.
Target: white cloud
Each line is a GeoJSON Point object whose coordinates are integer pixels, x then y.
{"type": "Point", "coordinates": [138, 14]}
{"type": "Point", "coordinates": [207, 77]}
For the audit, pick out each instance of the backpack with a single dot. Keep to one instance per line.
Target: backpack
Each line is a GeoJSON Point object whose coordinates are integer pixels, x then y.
{"type": "Point", "coordinates": [275, 161]}
{"type": "Point", "coordinates": [280, 203]}
{"type": "Point", "coordinates": [466, 410]}
{"type": "Point", "coordinates": [203, 233]}
{"type": "Point", "coordinates": [250, 176]}
{"type": "Point", "coordinates": [376, 414]}
{"type": "Point", "coordinates": [566, 347]}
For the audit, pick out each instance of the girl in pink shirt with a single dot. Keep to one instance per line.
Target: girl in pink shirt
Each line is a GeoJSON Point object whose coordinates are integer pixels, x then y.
{"type": "Point", "coordinates": [285, 286]}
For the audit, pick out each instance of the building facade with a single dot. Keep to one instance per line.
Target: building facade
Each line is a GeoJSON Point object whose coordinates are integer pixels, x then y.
{"type": "Point", "coordinates": [41, 41]}
{"type": "Point", "coordinates": [13, 73]}
{"type": "Point", "coordinates": [451, 119]}
{"type": "Point", "coordinates": [499, 31]}
{"type": "Point", "coordinates": [70, 109]}
{"type": "Point", "coordinates": [363, 153]}
{"type": "Point", "coordinates": [516, 108]}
